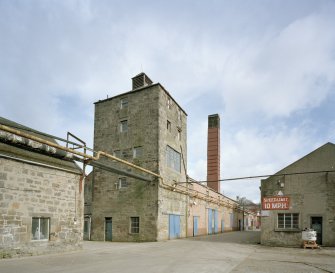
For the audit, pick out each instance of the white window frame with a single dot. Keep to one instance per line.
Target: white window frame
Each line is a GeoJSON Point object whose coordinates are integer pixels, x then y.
{"type": "Point", "coordinates": [289, 221]}
{"type": "Point", "coordinates": [37, 235]}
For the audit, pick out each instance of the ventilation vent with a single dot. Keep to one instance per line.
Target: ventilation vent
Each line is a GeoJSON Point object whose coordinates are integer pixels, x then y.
{"type": "Point", "coordinates": [141, 80]}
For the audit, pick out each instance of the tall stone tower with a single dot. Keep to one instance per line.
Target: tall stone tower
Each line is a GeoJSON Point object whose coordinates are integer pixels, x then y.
{"type": "Point", "coordinates": [147, 127]}
{"type": "Point", "coordinates": [213, 152]}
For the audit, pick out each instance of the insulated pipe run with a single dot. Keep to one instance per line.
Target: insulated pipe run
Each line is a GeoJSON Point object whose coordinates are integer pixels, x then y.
{"type": "Point", "coordinates": [84, 155]}
{"type": "Point", "coordinates": [101, 153]}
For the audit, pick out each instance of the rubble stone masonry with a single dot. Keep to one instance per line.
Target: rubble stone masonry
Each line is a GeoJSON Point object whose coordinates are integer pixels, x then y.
{"type": "Point", "coordinates": [31, 190]}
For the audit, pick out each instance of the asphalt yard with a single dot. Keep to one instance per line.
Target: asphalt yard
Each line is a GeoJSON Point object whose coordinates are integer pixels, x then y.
{"type": "Point", "coordinates": [228, 252]}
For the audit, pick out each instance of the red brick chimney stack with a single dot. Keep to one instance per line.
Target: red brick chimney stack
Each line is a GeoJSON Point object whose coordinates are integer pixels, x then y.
{"type": "Point", "coordinates": [213, 152]}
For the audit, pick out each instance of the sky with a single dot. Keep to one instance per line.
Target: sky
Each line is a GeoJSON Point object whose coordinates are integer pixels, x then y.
{"type": "Point", "coordinates": [267, 67]}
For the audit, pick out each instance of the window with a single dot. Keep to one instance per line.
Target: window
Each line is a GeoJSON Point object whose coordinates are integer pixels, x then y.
{"type": "Point", "coordinates": [134, 224]}
{"type": "Point", "coordinates": [168, 126]}
{"type": "Point", "coordinates": [137, 152]}
{"type": "Point", "coordinates": [179, 134]}
{"type": "Point", "coordinates": [124, 126]}
{"type": "Point", "coordinates": [123, 183]}
{"type": "Point", "coordinates": [169, 104]}
{"type": "Point", "coordinates": [124, 103]}
{"type": "Point", "coordinates": [40, 228]}
{"type": "Point", "coordinates": [288, 220]}
{"type": "Point", "coordinates": [179, 114]}
{"type": "Point", "coordinates": [173, 159]}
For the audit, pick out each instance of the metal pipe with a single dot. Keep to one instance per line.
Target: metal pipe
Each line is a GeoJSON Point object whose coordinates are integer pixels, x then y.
{"type": "Point", "coordinates": [100, 154]}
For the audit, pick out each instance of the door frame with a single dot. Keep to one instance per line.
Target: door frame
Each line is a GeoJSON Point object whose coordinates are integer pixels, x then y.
{"type": "Point", "coordinates": [111, 221]}
{"type": "Point", "coordinates": [319, 241]}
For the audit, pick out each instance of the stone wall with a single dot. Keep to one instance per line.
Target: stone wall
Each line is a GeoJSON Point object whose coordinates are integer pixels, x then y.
{"type": "Point", "coordinates": [311, 195]}
{"type": "Point", "coordinates": [156, 123]}
{"type": "Point", "coordinates": [139, 198]}
{"type": "Point", "coordinates": [29, 190]}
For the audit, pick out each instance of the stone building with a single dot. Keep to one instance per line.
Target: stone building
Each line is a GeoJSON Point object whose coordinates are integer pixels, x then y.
{"type": "Point", "coordinates": [147, 127]}
{"type": "Point", "coordinates": [300, 196]}
{"type": "Point", "coordinates": [41, 203]}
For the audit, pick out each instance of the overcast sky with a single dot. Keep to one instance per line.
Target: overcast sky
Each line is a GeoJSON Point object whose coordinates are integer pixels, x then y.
{"type": "Point", "coordinates": [266, 67]}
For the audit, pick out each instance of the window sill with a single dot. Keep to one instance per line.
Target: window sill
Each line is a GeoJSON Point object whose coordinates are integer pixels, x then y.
{"type": "Point", "coordinates": [287, 230]}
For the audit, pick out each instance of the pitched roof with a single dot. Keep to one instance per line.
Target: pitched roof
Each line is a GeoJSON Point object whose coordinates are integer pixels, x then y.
{"type": "Point", "coordinates": [319, 155]}
{"type": "Point", "coordinates": [21, 151]}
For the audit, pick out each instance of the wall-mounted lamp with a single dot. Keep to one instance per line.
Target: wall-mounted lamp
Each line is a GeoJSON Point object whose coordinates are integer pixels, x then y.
{"type": "Point", "coordinates": [281, 183]}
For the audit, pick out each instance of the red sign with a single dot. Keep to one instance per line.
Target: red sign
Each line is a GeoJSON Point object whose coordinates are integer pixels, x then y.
{"type": "Point", "coordinates": [276, 203]}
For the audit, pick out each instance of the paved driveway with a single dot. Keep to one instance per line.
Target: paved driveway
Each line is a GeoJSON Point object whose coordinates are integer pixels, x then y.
{"type": "Point", "coordinates": [229, 252]}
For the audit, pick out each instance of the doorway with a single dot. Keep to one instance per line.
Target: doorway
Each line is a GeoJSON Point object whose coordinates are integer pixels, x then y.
{"type": "Point", "coordinates": [108, 229]}
{"type": "Point", "coordinates": [87, 228]}
{"type": "Point", "coordinates": [316, 224]}
{"type": "Point", "coordinates": [174, 226]}
{"type": "Point", "coordinates": [195, 225]}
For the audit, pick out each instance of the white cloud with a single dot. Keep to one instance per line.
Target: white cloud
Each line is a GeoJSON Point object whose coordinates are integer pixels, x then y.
{"type": "Point", "coordinates": [291, 70]}
{"type": "Point", "coordinates": [84, 50]}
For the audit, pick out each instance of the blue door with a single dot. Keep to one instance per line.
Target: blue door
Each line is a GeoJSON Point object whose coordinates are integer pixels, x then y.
{"type": "Point", "coordinates": [195, 225]}
{"type": "Point", "coordinates": [216, 221]}
{"type": "Point", "coordinates": [174, 226]}
{"type": "Point", "coordinates": [210, 219]}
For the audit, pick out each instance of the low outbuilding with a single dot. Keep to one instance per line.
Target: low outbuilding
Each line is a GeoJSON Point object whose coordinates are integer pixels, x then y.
{"type": "Point", "coordinates": [300, 196]}
{"type": "Point", "coordinates": [41, 201]}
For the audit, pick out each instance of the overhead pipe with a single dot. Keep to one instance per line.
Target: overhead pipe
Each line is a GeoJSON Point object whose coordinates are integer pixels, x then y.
{"type": "Point", "coordinates": [99, 154]}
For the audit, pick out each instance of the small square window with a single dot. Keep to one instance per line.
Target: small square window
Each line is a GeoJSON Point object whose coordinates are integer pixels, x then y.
{"type": "Point", "coordinates": [124, 126]}
{"type": "Point", "coordinates": [134, 224]}
{"type": "Point", "coordinates": [123, 183]}
{"type": "Point", "coordinates": [40, 228]}
{"type": "Point", "coordinates": [124, 103]}
{"type": "Point", "coordinates": [137, 152]}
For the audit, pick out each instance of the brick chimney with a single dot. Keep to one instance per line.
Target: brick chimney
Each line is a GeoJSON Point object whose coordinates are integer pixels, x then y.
{"type": "Point", "coordinates": [213, 152]}
{"type": "Point", "coordinates": [141, 80]}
